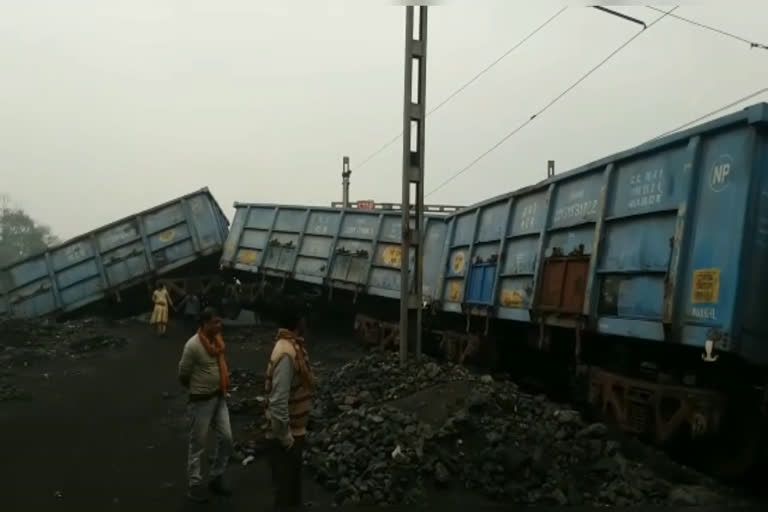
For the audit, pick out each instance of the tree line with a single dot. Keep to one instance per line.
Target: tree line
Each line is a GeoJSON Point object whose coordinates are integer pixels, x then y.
{"type": "Point", "coordinates": [20, 234]}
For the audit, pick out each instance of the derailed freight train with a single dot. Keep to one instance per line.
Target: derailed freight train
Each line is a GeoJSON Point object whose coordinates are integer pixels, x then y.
{"type": "Point", "coordinates": [643, 272]}
{"type": "Point", "coordinates": [176, 239]}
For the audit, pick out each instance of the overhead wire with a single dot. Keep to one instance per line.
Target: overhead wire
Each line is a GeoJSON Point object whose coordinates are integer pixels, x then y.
{"type": "Point", "coordinates": [466, 84]}
{"type": "Point", "coordinates": [752, 44]}
{"type": "Point", "coordinates": [764, 90]}
{"type": "Point", "coordinates": [548, 105]}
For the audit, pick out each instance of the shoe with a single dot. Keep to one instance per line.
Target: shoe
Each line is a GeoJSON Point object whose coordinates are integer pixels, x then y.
{"type": "Point", "coordinates": [197, 494]}
{"type": "Point", "coordinates": [217, 486]}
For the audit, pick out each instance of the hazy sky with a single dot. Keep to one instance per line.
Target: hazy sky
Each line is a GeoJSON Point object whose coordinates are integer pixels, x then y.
{"type": "Point", "coordinates": [110, 107]}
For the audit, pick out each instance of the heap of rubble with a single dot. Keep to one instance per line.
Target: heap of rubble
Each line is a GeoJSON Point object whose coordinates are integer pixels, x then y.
{"type": "Point", "coordinates": [9, 391]}
{"type": "Point", "coordinates": [28, 341]}
{"type": "Point", "coordinates": [246, 387]}
{"type": "Point", "coordinates": [442, 427]}
{"type": "Point", "coordinates": [382, 433]}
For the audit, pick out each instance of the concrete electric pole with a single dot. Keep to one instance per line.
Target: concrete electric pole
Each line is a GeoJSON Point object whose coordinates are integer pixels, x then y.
{"type": "Point", "coordinates": [414, 113]}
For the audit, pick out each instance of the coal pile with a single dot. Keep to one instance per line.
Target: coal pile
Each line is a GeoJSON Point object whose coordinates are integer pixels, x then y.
{"type": "Point", "coordinates": [94, 343]}
{"type": "Point", "coordinates": [26, 342]}
{"type": "Point", "coordinates": [374, 379]}
{"type": "Point", "coordinates": [246, 386]}
{"type": "Point", "coordinates": [9, 392]}
{"type": "Point", "coordinates": [385, 435]}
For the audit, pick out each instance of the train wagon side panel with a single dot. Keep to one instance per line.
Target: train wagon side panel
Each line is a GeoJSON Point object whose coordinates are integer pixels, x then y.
{"type": "Point", "coordinates": [631, 289]}
{"type": "Point", "coordinates": [653, 243]}
{"type": "Point", "coordinates": [710, 285]}
{"type": "Point", "coordinates": [354, 250]}
{"type": "Point", "coordinates": [753, 301]}
{"type": "Point", "coordinates": [115, 257]}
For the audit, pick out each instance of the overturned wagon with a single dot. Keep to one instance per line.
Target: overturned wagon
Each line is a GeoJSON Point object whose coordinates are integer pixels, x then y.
{"type": "Point", "coordinates": [185, 235]}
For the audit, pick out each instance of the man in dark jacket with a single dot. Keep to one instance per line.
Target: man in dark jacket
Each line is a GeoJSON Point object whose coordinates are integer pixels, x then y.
{"type": "Point", "coordinates": [289, 386]}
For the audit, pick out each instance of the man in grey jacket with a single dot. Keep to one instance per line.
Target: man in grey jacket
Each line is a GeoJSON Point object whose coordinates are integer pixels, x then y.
{"type": "Point", "coordinates": [203, 371]}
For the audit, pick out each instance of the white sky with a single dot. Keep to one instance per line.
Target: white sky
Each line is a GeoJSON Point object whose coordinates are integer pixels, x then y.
{"type": "Point", "coordinates": [108, 108]}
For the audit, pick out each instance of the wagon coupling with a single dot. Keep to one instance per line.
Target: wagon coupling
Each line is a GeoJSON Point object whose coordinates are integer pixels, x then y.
{"type": "Point", "coordinates": [708, 356]}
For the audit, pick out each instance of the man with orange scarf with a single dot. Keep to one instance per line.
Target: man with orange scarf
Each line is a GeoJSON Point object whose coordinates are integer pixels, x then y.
{"type": "Point", "coordinates": [289, 386]}
{"type": "Point", "coordinates": [203, 371]}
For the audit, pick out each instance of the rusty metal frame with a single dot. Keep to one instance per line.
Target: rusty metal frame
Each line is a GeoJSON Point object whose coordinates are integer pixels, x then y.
{"type": "Point", "coordinates": [565, 260]}
{"type": "Point", "coordinates": [239, 238]}
{"type": "Point", "coordinates": [634, 405]}
{"type": "Point", "coordinates": [593, 286]}
{"type": "Point", "coordinates": [373, 331]}
{"type": "Point", "coordinates": [682, 237]}
{"type": "Point", "coordinates": [445, 257]}
{"type": "Point", "coordinates": [510, 207]}
{"type": "Point", "coordinates": [542, 243]}
{"type": "Point", "coordinates": [456, 347]}
{"type": "Point", "coordinates": [470, 259]}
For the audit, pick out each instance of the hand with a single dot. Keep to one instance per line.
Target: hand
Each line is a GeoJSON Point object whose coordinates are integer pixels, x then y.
{"type": "Point", "coordinates": [288, 442]}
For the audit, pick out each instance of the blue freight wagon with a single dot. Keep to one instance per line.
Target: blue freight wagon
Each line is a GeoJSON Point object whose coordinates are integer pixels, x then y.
{"type": "Point", "coordinates": [650, 263]}
{"type": "Point", "coordinates": [665, 242]}
{"type": "Point", "coordinates": [646, 267]}
{"type": "Point", "coordinates": [352, 250]}
{"type": "Point", "coordinates": [115, 257]}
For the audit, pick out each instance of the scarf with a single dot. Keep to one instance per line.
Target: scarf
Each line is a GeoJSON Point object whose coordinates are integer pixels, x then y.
{"type": "Point", "coordinates": [302, 358]}
{"type": "Point", "coordinates": [217, 349]}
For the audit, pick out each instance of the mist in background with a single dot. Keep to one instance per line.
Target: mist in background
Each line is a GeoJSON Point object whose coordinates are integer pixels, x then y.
{"type": "Point", "coordinates": [108, 108]}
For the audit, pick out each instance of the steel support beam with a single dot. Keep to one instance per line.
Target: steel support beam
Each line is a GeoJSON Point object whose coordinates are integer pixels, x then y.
{"type": "Point", "coordinates": [346, 172]}
{"type": "Point", "coordinates": [414, 113]}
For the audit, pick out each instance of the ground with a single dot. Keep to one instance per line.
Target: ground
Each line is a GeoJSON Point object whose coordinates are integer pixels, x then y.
{"type": "Point", "coordinates": [109, 431]}
{"type": "Point", "coordinates": [100, 422]}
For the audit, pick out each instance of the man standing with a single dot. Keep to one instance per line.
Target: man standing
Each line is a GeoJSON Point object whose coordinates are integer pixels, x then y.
{"type": "Point", "coordinates": [289, 386]}
{"type": "Point", "coordinates": [203, 371]}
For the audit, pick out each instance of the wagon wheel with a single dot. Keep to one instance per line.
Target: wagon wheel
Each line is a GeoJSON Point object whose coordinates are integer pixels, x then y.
{"type": "Point", "coordinates": [736, 450]}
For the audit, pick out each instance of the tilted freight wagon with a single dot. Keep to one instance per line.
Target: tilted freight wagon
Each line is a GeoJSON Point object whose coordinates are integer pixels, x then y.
{"type": "Point", "coordinates": [186, 231]}
{"type": "Point", "coordinates": [666, 243]}
{"type": "Point", "coordinates": [352, 250]}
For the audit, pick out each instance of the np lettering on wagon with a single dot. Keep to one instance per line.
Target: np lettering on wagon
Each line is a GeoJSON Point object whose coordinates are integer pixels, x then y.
{"type": "Point", "coordinates": [720, 174]}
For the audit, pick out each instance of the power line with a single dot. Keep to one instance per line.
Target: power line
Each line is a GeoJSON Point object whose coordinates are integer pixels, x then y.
{"type": "Point", "coordinates": [547, 106]}
{"type": "Point", "coordinates": [466, 84]}
{"type": "Point", "coordinates": [709, 114]}
{"type": "Point", "coordinates": [752, 44]}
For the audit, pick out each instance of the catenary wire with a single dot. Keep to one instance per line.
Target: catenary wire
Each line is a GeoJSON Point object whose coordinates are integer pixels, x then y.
{"type": "Point", "coordinates": [752, 44]}
{"type": "Point", "coordinates": [547, 106]}
{"type": "Point", "coordinates": [710, 114]}
{"type": "Point", "coordinates": [466, 84]}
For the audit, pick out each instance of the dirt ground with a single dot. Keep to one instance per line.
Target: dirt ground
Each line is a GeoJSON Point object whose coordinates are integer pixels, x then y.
{"type": "Point", "coordinates": [109, 432]}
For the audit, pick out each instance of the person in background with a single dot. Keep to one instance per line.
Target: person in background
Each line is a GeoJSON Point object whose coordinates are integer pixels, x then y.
{"type": "Point", "coordinates": [203, 372]}
{"type": "Point", "coordinates": [289, 386]}
{"type": "Point", "coordinates": [162, 300]}
{"type": "Point", "coordinates": [192, 309]}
